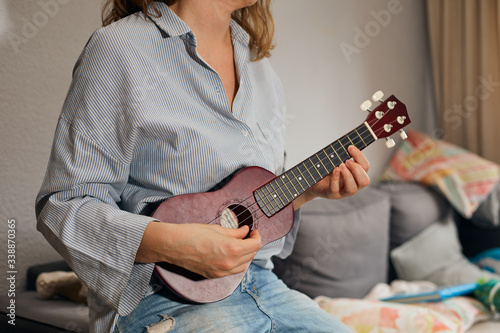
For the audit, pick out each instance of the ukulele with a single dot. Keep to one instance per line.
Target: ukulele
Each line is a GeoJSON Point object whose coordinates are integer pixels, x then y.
{"type": "Point", "coordinates": [260, 199]}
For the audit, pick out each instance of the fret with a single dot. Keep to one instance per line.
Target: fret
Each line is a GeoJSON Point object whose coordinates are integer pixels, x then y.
{"type": "Point", "coordinates": [264, 207]}
{"type": "Point", "coordinates": [341, 153]}
{"type": "Point", "coordinates": [343, 147]}
{"type": "Point", "coordinates": [318, 166]}
{"type": "Point", "coordinates": [310, 169]}
{"type": "Point", "coordinates": [364, 143]}
{"type": "Point", "coordinates": [332, 165]}
{"type": "Point", "coordinates": [357, 140]}
{"type": "Point", "coordinates": [323, 161]}
{"type": "Point", "coordinates": [272, 198]}
{"type": "Point", "coordinates": [299, 180]}
{"type": "Point", "coordinates": [365, 134]}
{"type": "Point", "coordinates": [291, 180]}
{"type": "Point", "coordinates": [282, 179]}
{"type": "Point", "coordinates": [277, 193]}
{"type": "Point", "coordinates": [327, 162]}
{"type": "Point", "coordinates": [347, 135]}
{"type": "Point", "coordinates": [315, 169]}
{"type": "Point", "coordinates": [275, 205]}
{"type": "Point", "coordinates": [305, 174]}
{"type": "Point", "coordinates": [340, 161]}
{"type": "Point", "coordinates": [344, 142]}
{"type": "Point", "coordinates": [351, 142]}
{"type": "Point", "coordinates": [332, 154]}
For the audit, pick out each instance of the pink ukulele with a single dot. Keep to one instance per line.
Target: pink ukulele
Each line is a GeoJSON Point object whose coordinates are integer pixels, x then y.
{"type": "Point", "coordinates": [261, 200]}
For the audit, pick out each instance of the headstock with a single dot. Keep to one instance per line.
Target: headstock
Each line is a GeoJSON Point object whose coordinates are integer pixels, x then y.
{"type": "Point", "coordinates": [387, 118]}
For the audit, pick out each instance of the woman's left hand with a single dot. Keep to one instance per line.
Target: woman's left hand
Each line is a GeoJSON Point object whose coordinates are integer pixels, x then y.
{"type": "Point", "coordinates": [344, 181]}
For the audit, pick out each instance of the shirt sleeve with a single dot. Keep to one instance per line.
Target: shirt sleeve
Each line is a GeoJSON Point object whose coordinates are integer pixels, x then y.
{"type": "Point", "coordinates": [78, 206]}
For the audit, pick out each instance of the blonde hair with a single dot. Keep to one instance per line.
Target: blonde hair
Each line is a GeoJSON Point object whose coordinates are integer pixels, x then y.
{"type": "Point", "coordinates": [257, 20]}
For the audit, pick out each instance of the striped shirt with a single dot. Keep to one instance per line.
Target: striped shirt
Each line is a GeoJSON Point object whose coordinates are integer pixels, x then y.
{"type": "Point", "coordinates": [146, 118]}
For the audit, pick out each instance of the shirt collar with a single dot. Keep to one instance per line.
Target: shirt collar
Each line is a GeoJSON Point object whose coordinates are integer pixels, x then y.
{"type": "Point", "coordinates": [239, 34]}
{"type": "Point", "coordinates": [173, 25]}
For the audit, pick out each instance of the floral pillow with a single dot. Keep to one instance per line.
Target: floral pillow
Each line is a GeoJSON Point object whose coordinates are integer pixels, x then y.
{"type": "Point", "coordinates": [454, 315]}
{"type": "Point", "coordinates": [464, 178]}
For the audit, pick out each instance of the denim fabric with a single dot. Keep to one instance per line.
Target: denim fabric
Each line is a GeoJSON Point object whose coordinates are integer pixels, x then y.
{"type": "Point", "coordinates": [262, 303]}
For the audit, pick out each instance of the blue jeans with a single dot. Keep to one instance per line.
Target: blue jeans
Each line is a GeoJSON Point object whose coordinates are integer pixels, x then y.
{"type": "Point", "coordinates": [262, 303]}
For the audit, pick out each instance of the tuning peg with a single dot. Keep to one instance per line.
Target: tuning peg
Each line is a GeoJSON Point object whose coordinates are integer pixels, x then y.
{"type": "Point", "coordinates": [403, 135]}
{"type": "Point", "coordinates": [389, 142]}
{"type": "Point", "coordinates": [379, 114]}
{"type": "Point", "coordinates": [377, 97]}
{"type": "Point", "coordinates": [366, 105]}
{"type": "Point", "coordinates": [391, 105]}
{"type": "Point", "coordinates": [387, 127]}
{"type": "Point", "coordinates": [401, 119]}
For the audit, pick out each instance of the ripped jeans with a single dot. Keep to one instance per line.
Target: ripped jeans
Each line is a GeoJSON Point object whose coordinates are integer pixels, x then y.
{"type": "Point", "coordinates": [262, 303]}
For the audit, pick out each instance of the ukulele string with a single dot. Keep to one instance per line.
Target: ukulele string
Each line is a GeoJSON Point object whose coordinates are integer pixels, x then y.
{"type": "Point", "coordinates": [267, 196]}
{"type": "Point", "coordinates": [362, 135]}
{"type": "Point", "coordinates": [285, 184]}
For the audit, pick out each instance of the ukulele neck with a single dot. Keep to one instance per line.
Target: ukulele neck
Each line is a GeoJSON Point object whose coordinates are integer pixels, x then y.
{"type": "Point", "coordinates": [281, 191]}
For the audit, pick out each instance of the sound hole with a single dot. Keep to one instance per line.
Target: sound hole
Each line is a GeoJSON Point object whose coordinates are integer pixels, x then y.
{"type": "Point", "coordinates": [236, 216]}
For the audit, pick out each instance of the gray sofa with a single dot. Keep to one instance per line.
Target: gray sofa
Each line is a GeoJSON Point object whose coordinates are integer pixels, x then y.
{"type": "Point", "coordinates": [343, 249]}
{"type": "Point", "coordinates": [385, 232]}
{"type": "Point", "coordinates": [44, 315]}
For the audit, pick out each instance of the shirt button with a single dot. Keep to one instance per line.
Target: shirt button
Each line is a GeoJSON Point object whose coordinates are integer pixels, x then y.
{"type": "Point", "coordinates": [245, 133]}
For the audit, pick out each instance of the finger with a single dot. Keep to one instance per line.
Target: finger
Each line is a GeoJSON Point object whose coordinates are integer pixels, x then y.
{"type": "Point", "coordinates": [254, 241]}
{"type": "Point", "coordinates": [239, 233]}
{"type": "Point", "coordinates": [358, 172]}
{"type": "Point", "coordinates": [335, 183]}
{"type": "Point", "coordinates": [349, 186]}
{"type": "Point", "coordinates": [255, 234]}
{"type": "Point", "coordinates": [359, 157]}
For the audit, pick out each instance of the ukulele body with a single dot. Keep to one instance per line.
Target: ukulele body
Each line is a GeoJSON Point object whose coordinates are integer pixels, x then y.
{"type": "Point", "coordinates": [231, 206]}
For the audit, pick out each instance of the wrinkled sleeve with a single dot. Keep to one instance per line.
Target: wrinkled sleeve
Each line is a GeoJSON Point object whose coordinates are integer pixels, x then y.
{"type": "Point", "coordinates": [78, 206]}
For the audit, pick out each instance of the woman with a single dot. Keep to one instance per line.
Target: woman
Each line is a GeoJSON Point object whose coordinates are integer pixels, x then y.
{"type": "Point", "coordinates": [171, 97]}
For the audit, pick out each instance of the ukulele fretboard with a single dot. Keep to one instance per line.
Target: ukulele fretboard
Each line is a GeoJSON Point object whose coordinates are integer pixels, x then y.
{"type": "Point", "coordinates": [281, 191]}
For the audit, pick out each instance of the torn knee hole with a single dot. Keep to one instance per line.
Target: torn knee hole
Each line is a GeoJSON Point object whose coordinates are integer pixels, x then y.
{"type": "Point", "coordinates": [163, 326]}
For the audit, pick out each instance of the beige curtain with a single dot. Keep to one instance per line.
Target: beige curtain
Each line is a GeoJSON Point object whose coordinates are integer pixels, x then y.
{"type": "Point", "coordinates": [465, 44]}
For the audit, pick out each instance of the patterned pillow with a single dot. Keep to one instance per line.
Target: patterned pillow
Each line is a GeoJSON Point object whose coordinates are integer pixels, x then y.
{"type": "Point", "coordinates": [453, 315]}
{"type": "Point", "coordinates": [464, 178]}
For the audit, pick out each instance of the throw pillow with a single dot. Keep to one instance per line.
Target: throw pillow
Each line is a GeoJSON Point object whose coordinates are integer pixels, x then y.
{"type": "Point", "coordinates": [464, 178]}
{"type": "Point", "coordinates": [342, 246]}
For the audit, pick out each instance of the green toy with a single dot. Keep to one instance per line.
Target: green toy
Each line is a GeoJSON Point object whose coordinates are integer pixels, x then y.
{"type": "Point", "coordinates": [488, 292]}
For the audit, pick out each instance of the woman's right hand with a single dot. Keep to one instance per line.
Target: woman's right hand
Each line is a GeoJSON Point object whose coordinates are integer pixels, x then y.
{"type": "Point", "coordinates": [209, 250]}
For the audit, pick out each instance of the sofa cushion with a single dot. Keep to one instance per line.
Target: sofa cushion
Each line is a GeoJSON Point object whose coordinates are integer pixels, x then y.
{"type": "Point", "coordinates": [435, 255]}
{"type": "Point", "coordinates": [413, 208]}
{"type": "Point", "coordinates": [342, 246]}
{"type": "Point", "coordinates": [57, 312]}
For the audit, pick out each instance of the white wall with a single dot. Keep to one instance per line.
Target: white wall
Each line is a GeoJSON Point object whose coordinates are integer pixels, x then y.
{"type": "Point", "coordinates": [325, 85]}
{"type": "Point", "coordinates": [41, 40]}
{"type": "Point", "coordinates": [37, 53]}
